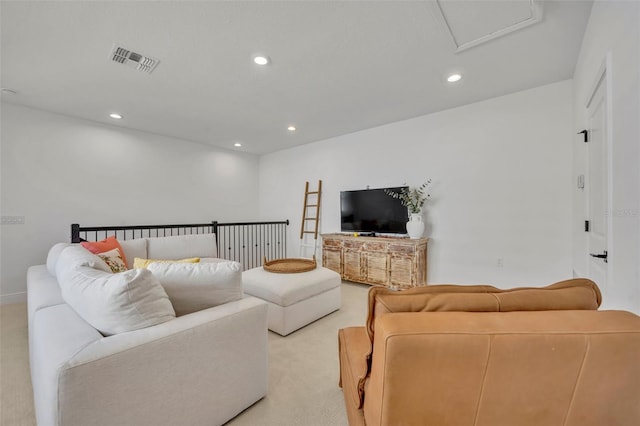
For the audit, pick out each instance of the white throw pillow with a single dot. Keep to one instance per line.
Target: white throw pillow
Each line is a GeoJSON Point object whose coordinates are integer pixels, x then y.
{"type": "Point", "coordinates": [182, 246]}
{"type": "Point", "coordinates": [134, 248]}
{"type": "Point", "coordinates": [111, 303]}
{"type": "Point", "coordinates": [75, 255]}
{"type": "Point", "coordinates": [52, 256]}
{"type": "Point", "coordinates": [193, 287]}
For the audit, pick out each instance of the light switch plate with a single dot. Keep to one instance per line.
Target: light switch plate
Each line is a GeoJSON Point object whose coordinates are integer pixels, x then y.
{"type": "Point", "coordinates": [13, 220]}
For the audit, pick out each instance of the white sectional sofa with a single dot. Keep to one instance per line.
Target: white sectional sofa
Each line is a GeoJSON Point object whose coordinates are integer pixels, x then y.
{"type": "Point", "coordinates": [201, 368]}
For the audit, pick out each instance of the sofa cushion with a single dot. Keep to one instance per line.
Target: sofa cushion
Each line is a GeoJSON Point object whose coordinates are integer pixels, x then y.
{"type": "Point", "coordinates": [182, 246]}
{"type": "Point", "coordinates": [111, 303]}
{"type": "Point", "coordinates": [134, 248]}
{"type": "Point", "coordinates": [196, 286]}
{"type": "Point", "coordinates": [104, 246]}
{"type": "Point", "coordinates": [212, 260]}
{"type": "Point", "coordinates": [565, 295]}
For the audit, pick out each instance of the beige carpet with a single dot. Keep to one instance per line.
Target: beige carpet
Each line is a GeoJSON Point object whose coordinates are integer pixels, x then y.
{"type": "Point", "coordinates": [303, 370]}
{"type": "Point", "coordinates": [15, 380]}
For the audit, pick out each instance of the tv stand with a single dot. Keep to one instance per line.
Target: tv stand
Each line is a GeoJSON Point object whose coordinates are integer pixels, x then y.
{"type": "Point", "coordinates": [389, 261]}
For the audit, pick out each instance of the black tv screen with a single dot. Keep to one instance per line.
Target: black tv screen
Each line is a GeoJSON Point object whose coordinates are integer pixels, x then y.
{"type": "Point", "coordinates": [372, 210]}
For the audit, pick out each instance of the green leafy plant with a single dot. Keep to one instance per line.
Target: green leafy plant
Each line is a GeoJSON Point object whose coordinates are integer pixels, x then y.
{"type": "Point", "coordinates": [412, 198]}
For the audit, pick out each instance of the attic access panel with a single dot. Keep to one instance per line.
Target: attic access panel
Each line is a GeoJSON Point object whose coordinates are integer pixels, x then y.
{"type": "Point", "coordinates": [473, 22]}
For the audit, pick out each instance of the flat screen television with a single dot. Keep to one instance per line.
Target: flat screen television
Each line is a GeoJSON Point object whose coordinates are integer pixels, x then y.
{"type": "Point", "coordinates": [372, 210]}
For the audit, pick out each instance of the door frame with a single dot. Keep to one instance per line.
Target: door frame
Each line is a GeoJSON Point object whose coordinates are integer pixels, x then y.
{"type": "Point", "coordinates": [603, 76]}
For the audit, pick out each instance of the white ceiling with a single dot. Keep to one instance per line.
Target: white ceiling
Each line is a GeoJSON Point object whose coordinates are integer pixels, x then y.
{"type": "Point", "coordinates": [337, 66]}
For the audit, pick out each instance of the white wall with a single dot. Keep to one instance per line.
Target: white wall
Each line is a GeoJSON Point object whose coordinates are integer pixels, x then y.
{"type": "Point", "coordinates": [613, 30]}
{"type": "Point", "coordinates": [502, 184]}
{"type": "Point", "coordinates": [58, 170]}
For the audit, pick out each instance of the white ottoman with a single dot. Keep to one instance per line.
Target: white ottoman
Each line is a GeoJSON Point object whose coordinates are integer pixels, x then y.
{"type": "Point", "coordinates": [295, 300]}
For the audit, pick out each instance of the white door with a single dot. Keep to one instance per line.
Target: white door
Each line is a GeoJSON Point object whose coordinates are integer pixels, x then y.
{"type": "Point", "coordinates": [596, 185]}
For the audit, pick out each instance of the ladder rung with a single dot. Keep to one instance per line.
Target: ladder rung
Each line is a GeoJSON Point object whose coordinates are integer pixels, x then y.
{"type": "Point", "coordinates": [312, 192]}
{"type": "Point", "coordinates": [312, 205]}
{"type": "Point", "coordinates": [308, 232]}
{"type": "Point", "coordinates": [311, 218]}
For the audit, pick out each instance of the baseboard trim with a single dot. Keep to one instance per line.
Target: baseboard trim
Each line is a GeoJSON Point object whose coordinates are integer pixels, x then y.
{"type": "Point", "coordinates": [7, 299]}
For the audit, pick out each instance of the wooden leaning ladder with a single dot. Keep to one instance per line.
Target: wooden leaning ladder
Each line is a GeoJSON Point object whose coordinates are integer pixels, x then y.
{"type": "Point", "coordinates": [310, 218]}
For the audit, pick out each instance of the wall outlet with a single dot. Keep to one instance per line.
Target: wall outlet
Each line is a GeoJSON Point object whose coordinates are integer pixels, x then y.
{"type": "Point", "coordinates": [500, 262]}
{"type": "Point", "coordinates": [13, 220]}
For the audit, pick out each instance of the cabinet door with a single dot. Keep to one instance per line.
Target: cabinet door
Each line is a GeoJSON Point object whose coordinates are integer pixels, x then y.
{"type": "Point", "coordinates": [377, 268]}
{"type": "Point", "coordinates": [420, 265]}
{"type": "Point", "coordinates": [332, 258]}
{"type": "Point", "coordinates": [352, 269]}
{"type": "Point", "coordinates": [401, 270]}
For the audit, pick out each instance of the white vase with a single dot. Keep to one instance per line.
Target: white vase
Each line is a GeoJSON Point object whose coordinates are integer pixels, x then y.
{"type": "Point", "coordinates": [415, 226]}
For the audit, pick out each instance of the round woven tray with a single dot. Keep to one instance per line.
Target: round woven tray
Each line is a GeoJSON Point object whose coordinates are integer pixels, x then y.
{"type": "Point", "coordinates": [289, 266]}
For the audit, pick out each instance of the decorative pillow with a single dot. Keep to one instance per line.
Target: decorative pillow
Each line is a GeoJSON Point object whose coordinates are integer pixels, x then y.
{"type": "Point", "coordinates": [112, 303]}
{"type": "Point", "coordinates": [143, 263]}
{"type": "Point", "coordinates": [136, 247]}
{"type": "Point", "coordinates": [182, 246]}
{"type": "Point", "coordinates": [53, 255]}
{"type": "Point", "coordinates": [104, 246]}
{"type": "Point", "coordinates": [196, 286]}
{"type": "Point", "coordinates": [113, 259]}
{"type": "Point", "coordinates": [74, 255]}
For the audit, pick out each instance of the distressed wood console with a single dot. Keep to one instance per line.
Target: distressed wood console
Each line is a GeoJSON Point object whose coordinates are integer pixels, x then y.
{"type": "Point", "coordinates": [386, 261]}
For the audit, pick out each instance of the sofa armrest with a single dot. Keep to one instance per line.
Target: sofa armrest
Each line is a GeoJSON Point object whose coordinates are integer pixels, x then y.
{"type": "Point", "coordinates": [354, 349]}
{"type": "Point", "coordinates": [113, 345]}
{"type": "Point", "coordinates": [205, 367]}
{"type": "Point", "coordinates": [56, 334]}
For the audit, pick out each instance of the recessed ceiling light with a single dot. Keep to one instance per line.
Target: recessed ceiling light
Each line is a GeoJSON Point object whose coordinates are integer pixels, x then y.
{"type": "Point", "coordinates": [291, 128]}
{"type": "Point", "coordinates": [6, 91]}
{"type": "Point", "coordinates": [261, 60]}
{"type": "Point", "coordinates": [453, 78]}
{"type": "Point", "coordinates": [115, 116]}
{"type": "Point", "coordinates": [237, 144]}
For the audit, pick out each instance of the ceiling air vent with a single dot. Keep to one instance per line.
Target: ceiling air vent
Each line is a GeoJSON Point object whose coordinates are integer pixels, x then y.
{"type": "Point", "coordinates": [133, 59]}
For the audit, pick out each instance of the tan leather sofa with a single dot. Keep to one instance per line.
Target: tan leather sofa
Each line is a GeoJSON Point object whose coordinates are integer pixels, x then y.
{"type": "Point", "coordinates": [477, 355]}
